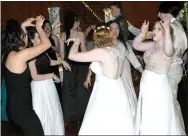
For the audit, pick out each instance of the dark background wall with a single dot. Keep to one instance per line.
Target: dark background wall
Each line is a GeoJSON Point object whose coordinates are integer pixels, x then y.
{"type": "Point", "coordinates": [135, 12]}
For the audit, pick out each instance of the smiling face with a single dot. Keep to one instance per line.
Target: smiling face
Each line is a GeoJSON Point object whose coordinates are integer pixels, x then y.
{"type": "Point", "coordinates": [47, 28]}
{"type": "Point", "coordinates": [36, 39]}
{"type": "Point", "coordinates": [115, 30]}
{"type": "Point", "coordinates": [158, 32]}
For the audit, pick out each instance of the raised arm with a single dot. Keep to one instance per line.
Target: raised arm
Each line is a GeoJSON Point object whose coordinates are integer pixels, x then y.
{"type": "Point", "coordinates": [138, 43]}
{"type": "Point", "coordinates": [29, 53]}
{"type": "Point", "coordinates": [88, 56]}
{"type": "Point", "coordinates": [168, 48]}
{"type": "Point", "coordinates": [136, 31]}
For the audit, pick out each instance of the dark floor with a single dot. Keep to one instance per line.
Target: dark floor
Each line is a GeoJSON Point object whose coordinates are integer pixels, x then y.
{"type": "Point", "coordinates": [8, 129]}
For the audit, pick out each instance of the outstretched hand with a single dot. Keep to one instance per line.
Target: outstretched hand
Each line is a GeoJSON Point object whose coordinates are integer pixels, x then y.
{"type": "Point", "coordinates": [39, 21]}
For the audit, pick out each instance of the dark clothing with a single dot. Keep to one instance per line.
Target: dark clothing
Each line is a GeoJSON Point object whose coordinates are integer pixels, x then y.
{"type": "Point", "coordinates": [124, 32]}
{"type": "Point", "coordinates": [74, 96]}
{"type": "Point", "coordinates": [54, 69]}
{"type": "Point", "coordinates": [19, 102]}
{"type": "Point", "coordinates": [43, 64]}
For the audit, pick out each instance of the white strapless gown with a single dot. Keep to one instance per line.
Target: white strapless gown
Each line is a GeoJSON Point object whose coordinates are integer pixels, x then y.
{"type": "Point", "coordinates": [108, 111]}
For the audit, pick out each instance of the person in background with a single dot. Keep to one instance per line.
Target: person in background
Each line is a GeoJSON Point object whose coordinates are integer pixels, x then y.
{"type": "Point", "coordinates": [52, 52]}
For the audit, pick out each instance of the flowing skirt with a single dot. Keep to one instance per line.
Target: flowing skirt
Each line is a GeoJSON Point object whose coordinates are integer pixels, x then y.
{"type": "Point", "coordinates": [155, 111]}
{"type": "Point", "coordinates": [108, 111]}
{"type": "Point", "coordinates": [47, 106]}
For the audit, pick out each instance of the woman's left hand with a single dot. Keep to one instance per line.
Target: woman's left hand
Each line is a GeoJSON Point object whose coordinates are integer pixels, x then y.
{"type": "Point", "coordinates": [167, 22]}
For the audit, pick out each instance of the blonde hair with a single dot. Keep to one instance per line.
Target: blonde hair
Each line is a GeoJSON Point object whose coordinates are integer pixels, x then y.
{"type": "Point", "coordinates": [102, 37]}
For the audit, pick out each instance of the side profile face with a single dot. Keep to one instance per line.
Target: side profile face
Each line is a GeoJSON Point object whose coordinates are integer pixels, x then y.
{"type": "Point", "coordinates": [158, 32]}
{"type": "Point", "coordinates": [47, 28]}
{"type": "Point", "coordinates": [162, 16]}
{"type": "Point", "coordinates": [76, 24]}
{"type": "Point", "coordinates": [36, 39]}
{"type": "Point", "coordinates": [115, 30]}
{"type": "Point", "coordinates": [115, 11]}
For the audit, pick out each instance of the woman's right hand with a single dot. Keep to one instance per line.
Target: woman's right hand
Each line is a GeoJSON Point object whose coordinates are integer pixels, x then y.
{"type": "Point", "coordinates": [39, 21]}
{"type": "Point", "coordinates": [56, 79]}
{"type": "Point", "coordinates": [28, 22]}
{"type": "Point", "coordinates": [145, 27]}
{"type": "Point", "coordinates": [87, 83]}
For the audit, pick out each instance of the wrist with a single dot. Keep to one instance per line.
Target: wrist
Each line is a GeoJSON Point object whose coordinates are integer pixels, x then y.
{"type": "Point", "coordinates": [52, 75]}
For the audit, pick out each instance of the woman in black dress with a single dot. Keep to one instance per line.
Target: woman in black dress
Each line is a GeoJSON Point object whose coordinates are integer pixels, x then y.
{"type": "Point", "coordinates": [18, 78]}
{"type": "Point", "coordinates": [74, 95]}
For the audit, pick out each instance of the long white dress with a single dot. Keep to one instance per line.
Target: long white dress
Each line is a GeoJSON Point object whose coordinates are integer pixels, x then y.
{"type": "Point", "coordinates": [108, 111]}
{"type": "Point", "coordinates": [47, 106]}
{"type": "Point", "coordinates": [156, 112]}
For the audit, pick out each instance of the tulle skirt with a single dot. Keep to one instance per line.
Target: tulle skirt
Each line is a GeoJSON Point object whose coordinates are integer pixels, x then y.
{"type": "Point", "coordinates": [47, 106]}
{"type": "Point", "coordinates": [155, 111]}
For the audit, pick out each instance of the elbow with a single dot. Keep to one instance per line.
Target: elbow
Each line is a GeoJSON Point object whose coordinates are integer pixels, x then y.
{"type": "Point", "coordinates": [70, 56]}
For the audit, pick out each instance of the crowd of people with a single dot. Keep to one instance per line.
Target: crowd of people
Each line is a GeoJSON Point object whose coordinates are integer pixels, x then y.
{"type": "Point", "coordinates": [97, 89]}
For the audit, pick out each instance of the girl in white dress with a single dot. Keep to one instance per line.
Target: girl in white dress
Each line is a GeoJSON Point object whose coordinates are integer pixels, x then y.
{"type": "Point", "coordinates": [155, 111]}
{"type": "Point", "coordinates": [44, 94]}
{"type": "Point", "coordinates": [108, 111]}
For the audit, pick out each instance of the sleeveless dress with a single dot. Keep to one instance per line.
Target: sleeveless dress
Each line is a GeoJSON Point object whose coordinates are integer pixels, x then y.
{"type": "Point", "coordinates": [108, 111]}
{"type": "Point", "coordinates": [75, 96]}
{"type": "Point", "coordinates": [46, 102]}
{"type": "Point", "coordinates": [19, 102]}
{"type": "Point", "coordinates": [156, 111]}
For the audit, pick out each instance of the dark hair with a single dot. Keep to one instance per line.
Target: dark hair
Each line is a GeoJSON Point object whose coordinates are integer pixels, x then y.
{"type": "Point", "coordinates": [45, 22]}
{"type": "Point", "coordinates": [120, 36]}
{"type": "Point", "coordinates": [31, 34]}
{"type": "Point", "coordinates": [171, 7]}
{"type": "Point", "coordinates": [69, 19]}
{"type": "Point", "coordinates": [11, 36]}
{"type": "Point", "coordinates": [117, 5]}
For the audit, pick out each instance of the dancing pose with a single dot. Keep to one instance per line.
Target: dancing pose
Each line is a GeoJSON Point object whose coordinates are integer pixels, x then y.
{"type": "Point", "coordinates": [155, 111]}
{"type": "Point", "coordinates": [44, 94]}
{"type": "Point", "coordinates": [108, 104]}
{"type": "Point", "coordinates": [18, 78]}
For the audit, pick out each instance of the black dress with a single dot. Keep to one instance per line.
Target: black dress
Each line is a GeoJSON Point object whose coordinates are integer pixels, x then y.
{"type": "Point", "coordinates": [75, 96]}
{"type": "Point", "coordinates": [54, 69]}
{"type": "Point", "coordinates": [19, 102]}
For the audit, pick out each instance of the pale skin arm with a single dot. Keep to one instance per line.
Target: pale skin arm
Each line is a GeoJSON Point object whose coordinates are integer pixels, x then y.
{"type": "Point", "coordinates": [35, 75]}
{"type": "Point", "coordinates": [168, 48]}
{"type": "Point", "coordinates": [88, 56]}
{"type": "Point", "coordinates": [29, 53]}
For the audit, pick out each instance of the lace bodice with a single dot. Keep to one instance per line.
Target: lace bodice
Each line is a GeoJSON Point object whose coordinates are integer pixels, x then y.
{"type": "Point", "coordinates": [113, 67]}
{"type": "Point", "coordinates": [156, 61]}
